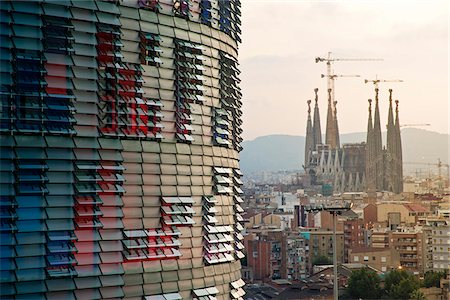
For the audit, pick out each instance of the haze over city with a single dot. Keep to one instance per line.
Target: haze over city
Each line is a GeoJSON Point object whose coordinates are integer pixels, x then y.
{"type": "Point", "coordinates": [281, 40]}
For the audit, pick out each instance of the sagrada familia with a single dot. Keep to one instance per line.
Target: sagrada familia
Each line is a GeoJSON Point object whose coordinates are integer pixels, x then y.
{"type": "Point", "coordinates": [354, 167]}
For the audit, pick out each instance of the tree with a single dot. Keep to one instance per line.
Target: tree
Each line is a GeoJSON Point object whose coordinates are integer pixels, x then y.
{"type": "Point", "coordinates": [322, 260]}
{"type": "Point", "coordinates": [433, 279]}
{"type": "Point", "coordinates": [400, 284]}
{"type": "Point", "coordinates": [364, 284]}
{"type": "Point", "coordinates": [417, 295]}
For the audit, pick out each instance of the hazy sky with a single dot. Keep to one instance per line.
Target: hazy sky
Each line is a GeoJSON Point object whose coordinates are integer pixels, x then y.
{"type": "Point", "coordinates": [282, 38]}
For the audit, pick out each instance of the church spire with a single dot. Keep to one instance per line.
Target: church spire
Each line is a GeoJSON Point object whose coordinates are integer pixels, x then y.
{"type": "Point", "coordinates": [399, 152]}
{"type": "Point", "coordinates": [378, 146]}
{"type": "Point", "coordinates": [309, 142]}
{"type": "Point", "coordinates": [316, 125]}
{"type": "Point", "coordinates": [330, 132]}
{"type": "Point", "coordinates": [391, 145]}
{"type": "Point", "coordinates": [370, 161]}
{"type": "Point", "coordinates": [336, 127]}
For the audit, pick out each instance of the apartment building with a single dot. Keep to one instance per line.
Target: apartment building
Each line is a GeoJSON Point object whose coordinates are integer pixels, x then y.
{"type": "Point", "coordinates": [381, 259]}
{"type": "Point", "coordinates": [408, 242]}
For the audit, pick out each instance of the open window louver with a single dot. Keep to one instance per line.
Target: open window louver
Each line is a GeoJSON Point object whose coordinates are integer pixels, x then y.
{"type": "Point", "coordinates": [152, 5]}
{"type": "Point", "coordinates": [150, 49]}
{"type": "Point", "coordinates": [227, 133]}
{"type": "Point", "coordinates": [177, 211]}
{"type": "Point", "coordinates": [113, 106]}
{"type": "Point", "coordinates": [229, 20]}
{"type": "Point", "coordinates": [168, 296]}
{"type": "Point", "coordinates": [189, 85]}
{"type": "Point", "coordinates": [217, 239]}
{"type": "Point", "coordinates": [181, 8]}
{"type": "Point", "coordinates": [59, 108]}
{"type": "Point", "coordinates": [208, 293]}
{"type": "Point", "coordinates": [152, 244]}
{"type": "Point", "coordinates": [207, 12]}
{"type": "Point", "coordinates": [236, 289]}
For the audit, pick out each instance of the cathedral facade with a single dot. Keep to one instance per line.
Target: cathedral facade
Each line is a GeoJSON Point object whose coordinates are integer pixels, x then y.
{"type": "Point", "coordinates": [355, 167]}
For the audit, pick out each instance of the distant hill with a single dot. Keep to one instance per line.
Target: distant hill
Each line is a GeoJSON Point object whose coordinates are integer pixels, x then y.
{"type": "Point", "coordinates": [286, 152]}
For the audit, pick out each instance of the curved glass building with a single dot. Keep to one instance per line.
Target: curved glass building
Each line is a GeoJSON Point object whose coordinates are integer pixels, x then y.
{"type": "Point", "coordinates": [119, 140]}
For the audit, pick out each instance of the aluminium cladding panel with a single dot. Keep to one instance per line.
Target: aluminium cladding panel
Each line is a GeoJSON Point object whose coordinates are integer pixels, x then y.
{"type": "Point", "coordinates": [96, 168]}
{"type": "Point", "coordinates": [165, 170]}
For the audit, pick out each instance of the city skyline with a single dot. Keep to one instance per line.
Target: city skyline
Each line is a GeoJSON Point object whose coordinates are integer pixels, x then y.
{"type": "Point", "coordinates": [279, 73]}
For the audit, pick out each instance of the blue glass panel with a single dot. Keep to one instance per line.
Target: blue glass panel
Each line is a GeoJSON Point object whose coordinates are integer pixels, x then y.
{"type": "Point", "coordinates": [30, 201]}
{"type": "Point", "coordinates": [31, 188]}
{"type": "Point", "coordinates": [30, 274]}
{"type": "Point", "coordinates": [60, 247]}
{"type": "Point", "coordinates": [60, 284]}
{"type": "Point", "coordinates": [7, 289]}
{"type": "Point", "coordinates": [60, 224]}
{"type": "Point", "coordinates": [25, 238]}
{"type": "Point", "coordinates": [7, 251]}
{"type": "Point", "coordinates": [7, 238]}
{"type": "Point", "coordinates": [7, 264]}
{"type": "Point", "coordinates": [59, 201]}
{"type": "Point", "coordinates": [30, 226]}
{"type": "Point", "coordinates": [60, 236]}
{"type": "Point", "coordinates": [7, 190]}
{"type": "Point", "coordinates": [59, 212]}
{"type": "Point", "coordinates": [6, 177]}
{"type": "Point", "coordinates": [6, 153]}
{"type": "Point", "coordinates": [25, 19]}
{"type": "Point", "coordinates": [30, 213]}
{"type": "Point", "coordinates": [28, 44]}
{"type": "Point", "coordinates": [60, 153]}
{"type": "Point", "coordinates": [29, 287]}
{"type": "Point", "coordinates": [27, 7]}
{"type": "Point", "coordinates": [6, 70]}
{"type": "Point", "coordinates": [30, 250]}
{"type": "Point", "coordinates": [27, 31]}
{"type": "Point", "coordinates": [60, 259]}
{"type": "Point", "coordinates": [32, 262]}
{"type": "Point", "coordinates": [35, 296]}
{"type": "Point", "coordinates": [60, 189]}
{"type": "Point", "coordinates": [6, 276]}
{"type": "Point", "coordinates": [4, 16]}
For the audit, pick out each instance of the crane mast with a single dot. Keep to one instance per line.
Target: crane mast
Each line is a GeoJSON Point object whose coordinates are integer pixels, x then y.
{"type": "Point", "coordinates": [331, 79]}
{"type": "Point", "coordinates": [329, 60]}
{"type": "Point", "coordinates": [377, 81]}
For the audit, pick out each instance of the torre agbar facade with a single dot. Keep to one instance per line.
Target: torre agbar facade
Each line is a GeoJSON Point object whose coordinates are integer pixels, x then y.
{"type": "Point", "coordinates": [120, 133]}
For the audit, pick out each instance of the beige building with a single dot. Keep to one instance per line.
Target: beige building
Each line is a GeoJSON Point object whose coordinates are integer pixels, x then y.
{"type": "Point", "coordinates": [438, 244]}
{"type": "Point", "coordinates": [379, 237]}
{"type": "Point", "coordinates": [254, 220]}
{"type": "Point", "coordinates": [384, 210]}
{"type": "Point", "coordinates": [381, 259]}
{"type": "Point", "coordinates": [321, 244]}
{"type": "Point", "coordinates": [408, 242]}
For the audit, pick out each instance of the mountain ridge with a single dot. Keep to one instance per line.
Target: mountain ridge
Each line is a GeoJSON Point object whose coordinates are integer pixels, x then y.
{"type": "Point", "coordinates": [278, 152]}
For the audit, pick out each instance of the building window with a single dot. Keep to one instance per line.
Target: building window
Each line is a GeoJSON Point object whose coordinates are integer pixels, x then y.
{"type": "Point", "coordinates": [356, 259]}
{"type": "Point", "coordinates": [181, 8]}
{"type": "Point", "coordinates": [383, 269]}
{"type": "Point", "coordinates": [255, 254]}
{"type": "Point", "coordinates": [383, 259]}
{"type": "Point", "coordinates": [366, 258]}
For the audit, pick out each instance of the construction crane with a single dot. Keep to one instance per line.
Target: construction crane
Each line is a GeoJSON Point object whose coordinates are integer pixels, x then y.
{"type": "Point", "coordinates": [331, 79]}
{"type": "Point", "coordinates": [376, 81]}
{"type": "Point", "coordinates": [414, 125]}
{"type": "Point", "coordinates": [439, 165]}
{"type": "Point", "coordinates": [330, 59]}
